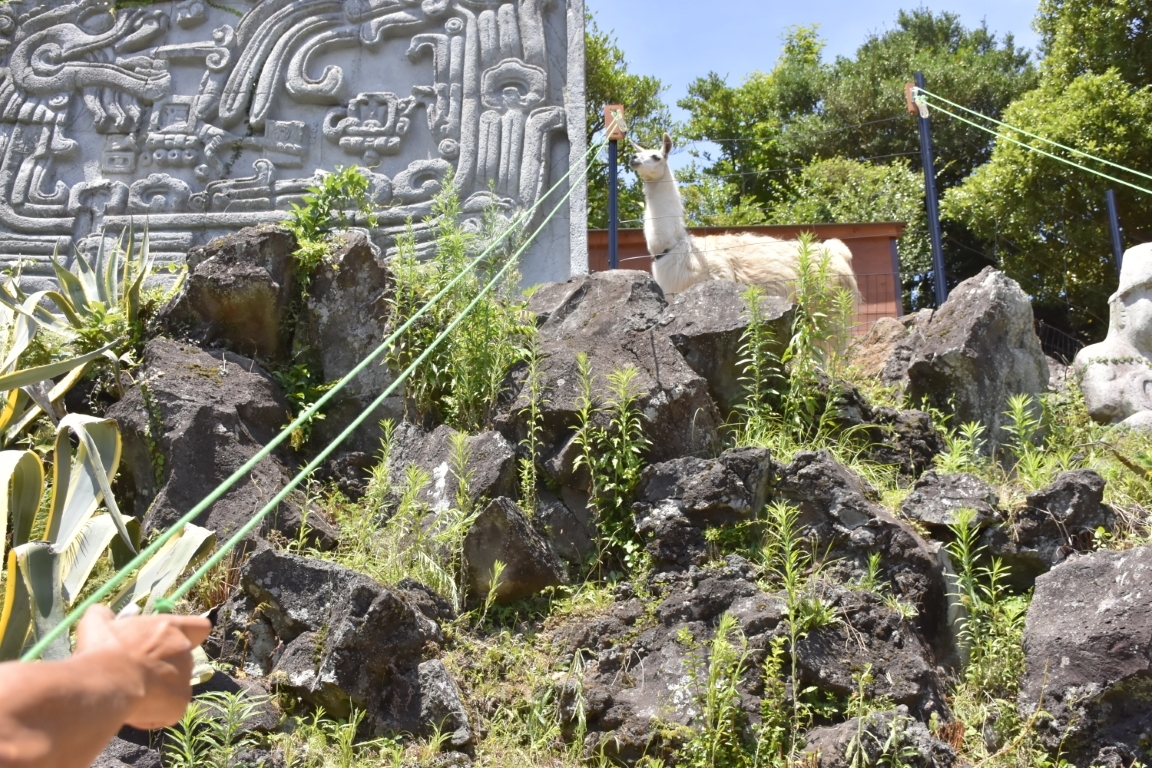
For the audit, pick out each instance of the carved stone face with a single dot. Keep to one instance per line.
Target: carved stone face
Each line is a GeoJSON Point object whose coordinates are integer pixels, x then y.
{"type": "Point", "coordinates": [1138, 318]}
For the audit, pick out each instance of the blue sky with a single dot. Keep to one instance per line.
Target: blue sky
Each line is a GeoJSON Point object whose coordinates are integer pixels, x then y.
{"type": "Point", "coordinates": [680, 40]}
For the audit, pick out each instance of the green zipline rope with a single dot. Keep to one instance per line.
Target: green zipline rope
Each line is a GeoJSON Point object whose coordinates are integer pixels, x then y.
{"type": "Point", "coordinates": [117, 578]}
{"type": "Point", "coordinates": [165, 605]}
{"type": "Point", "coordinates": [1034, 136]}
{"type": "Point", "coordinates": [1064, 160]}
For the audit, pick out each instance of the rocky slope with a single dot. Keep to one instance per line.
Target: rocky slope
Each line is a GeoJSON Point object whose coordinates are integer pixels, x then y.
{"type": "Point", "coordinates": [867, 642]}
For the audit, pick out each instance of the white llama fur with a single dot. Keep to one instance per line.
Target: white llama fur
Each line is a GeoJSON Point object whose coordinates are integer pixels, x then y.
{"type": "Point", "coordinates": [680, 260]}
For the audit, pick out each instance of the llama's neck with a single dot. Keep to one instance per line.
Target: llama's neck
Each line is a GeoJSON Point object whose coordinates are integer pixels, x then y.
{"type": "Point", "coordinates": [663, 213]}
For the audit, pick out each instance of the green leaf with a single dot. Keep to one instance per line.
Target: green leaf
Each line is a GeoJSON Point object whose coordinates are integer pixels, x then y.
{"type": "Point", "coordinates": [84, 477]}
{"type": "Point", "coordinates": [16, 619]}
{"type": "Point", "coordinates": [122, 553]}
{"type": "Point", "coordinates": [77, 561]}
{"type": "Point", "coordinates": [159, 574]}
{"type": "Point", "coordinates": [21, 486]}
{"type": "Point", "coordinates": [89, 280]}
{"type": "Point", "coordinates": [40, 373]}
{"type": "Point", "coordinates": [74, 291]}
{"type": "Point", "coordinates": [38, 566]}
{"type": "Point", "coordinates": [23, 330]}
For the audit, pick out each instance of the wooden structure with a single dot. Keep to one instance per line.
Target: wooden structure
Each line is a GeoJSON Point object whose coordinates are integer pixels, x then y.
{"type": "Point", "coordinates": [873, 246]}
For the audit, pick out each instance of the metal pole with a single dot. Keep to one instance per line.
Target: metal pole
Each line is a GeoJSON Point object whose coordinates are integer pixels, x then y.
{"type": "Point", "coordinates": [613, 206]}
{"type": "Point", "coordinates": [926, 159]}
{"type": "Point", "coordinates": [615, 127]}
{"type": "Point", "coordinates": [1114, 225]}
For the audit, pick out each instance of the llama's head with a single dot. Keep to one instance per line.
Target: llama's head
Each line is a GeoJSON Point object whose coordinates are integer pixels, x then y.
{"type": "Point", "coordinates": [651, 164]}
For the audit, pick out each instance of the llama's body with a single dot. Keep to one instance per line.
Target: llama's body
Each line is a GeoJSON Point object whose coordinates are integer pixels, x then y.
{"type": "Point", "coordinates": [680, 260]}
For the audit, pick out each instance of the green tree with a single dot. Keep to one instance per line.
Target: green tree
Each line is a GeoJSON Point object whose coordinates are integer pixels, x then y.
{"type": "Point", "coordinates": [1082, 37]}
{"type": "Point", "coordinates": [648, 117]}
{"type": "Point", "coordinates": [844, 191]}
{"type": "Point", "coordinates": [1045, 221]}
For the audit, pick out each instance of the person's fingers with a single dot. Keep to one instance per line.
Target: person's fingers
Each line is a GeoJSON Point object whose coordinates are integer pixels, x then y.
{"type": "Point", "coordinates": [195, 628]}
{"type": "Point", "coordinates": [170, 690]}
{"type": "Point", "coordinates": [94, 628]}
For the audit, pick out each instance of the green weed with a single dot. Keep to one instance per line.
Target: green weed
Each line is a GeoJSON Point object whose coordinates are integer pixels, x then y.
{"type": "Point", "coordinates": [614, 456]}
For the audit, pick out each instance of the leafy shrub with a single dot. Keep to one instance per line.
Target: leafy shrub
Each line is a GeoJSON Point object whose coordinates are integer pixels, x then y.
{"type": "Point", "coordinates": [459, 382]}
{"type": "Point", "coordinates": [335, 203]}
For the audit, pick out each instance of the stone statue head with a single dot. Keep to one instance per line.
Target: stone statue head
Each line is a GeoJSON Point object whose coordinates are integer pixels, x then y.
{"type": "Point", "coordinates": [1131, 305]}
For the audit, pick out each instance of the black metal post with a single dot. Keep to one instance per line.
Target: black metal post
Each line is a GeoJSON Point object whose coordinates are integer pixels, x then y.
{"type": "Point", "coordinates": [613, 205]}
{"type": "Point", "coordinates": [1114, 225]}
{"type": "Point", "coordinates": [926, 159]}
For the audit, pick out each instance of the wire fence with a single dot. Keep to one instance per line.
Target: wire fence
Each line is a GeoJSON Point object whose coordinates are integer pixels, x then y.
{"type": "Point", "coordinates": [1058, 344]}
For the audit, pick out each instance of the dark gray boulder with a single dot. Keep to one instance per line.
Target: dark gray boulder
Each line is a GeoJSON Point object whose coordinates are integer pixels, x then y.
{"type": "Point", "coordinates": [570, 531]}
{"type": "Point", "coordinates": [346, 316]}
{"type": "Point", "coordinates": [707, 323]}
{"type": "Point", "coordinates": [502, 532]}
{"type": "Point", "coordinates": [903, 438]}
{"type": "Point", "coordinates": [979, 349]}
{"type": "Point", "coordinates": [238, 294]}
{"type": "Point", "coordinates": [613, 317]}
{"type": "Point", "coordinates": [846, 526]}
{"type": "Point", "coordinates": [676, 500]}
{"type": "Point", "coordinates": [935, 500]}
{"type": "Point", "coordinates": [1088, 654]}
{"type": "Point", "coordinates": [490, 469]}
{"type": "Point", "coordinates": [337, 639]}
{"type": "Point", "coordinates": [120, 753]}
{"type": "Point", "coordinates": [441, 707]}
{"type": "Point", "coordinates": [1055, 522]}
{"type": "Point", "coordinates": [195, 418]}
{"type": "Point", "coordinates": [881, 738]}
{"type": "Point", "coordinates": [637, 689]}
{"type": "Point", "coordinates": [868, 633]}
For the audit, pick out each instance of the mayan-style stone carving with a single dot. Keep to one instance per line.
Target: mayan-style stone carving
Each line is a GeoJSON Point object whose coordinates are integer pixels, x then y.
{"type": "Point", "coordinates": [209, 117]}
{"type": "Point", "coordinates": [1116, 374]}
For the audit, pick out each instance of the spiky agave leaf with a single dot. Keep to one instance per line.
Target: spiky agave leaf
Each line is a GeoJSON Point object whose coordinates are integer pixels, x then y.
{"type": "Point", "coordinates": [159, 574]}
{"type": "Point", "coordinates": [80, 482]}
{"type": "Point", "coordinates": [90, 280]}
{"type": "Point", "coordinates": [77, 560]}
{"type": "Point", "coordinates": [24, 408]}
{"type": "Point", "coordinates": [40, 373]}
{"type": "Point", "coordinates": [144, 264]}
{"type": "Point", "coordinates": [16, 618]}
{"type": "Point", "coordinates": [12, 297]}
{"type": "Point", "coordinates": [37, 565]}
{"type": "Point", "coordinates": [23, 329]}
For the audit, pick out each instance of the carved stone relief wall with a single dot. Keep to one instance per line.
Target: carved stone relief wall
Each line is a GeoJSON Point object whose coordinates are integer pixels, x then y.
{"type": "Point", "coordinates": [208, 116]}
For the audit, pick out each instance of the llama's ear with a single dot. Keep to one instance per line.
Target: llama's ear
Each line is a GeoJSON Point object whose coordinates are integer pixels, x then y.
{"type": "Point", "coordinates": [667, 145]}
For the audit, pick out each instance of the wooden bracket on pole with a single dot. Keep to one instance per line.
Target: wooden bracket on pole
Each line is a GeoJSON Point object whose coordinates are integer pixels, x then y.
{"type": "Point", "coordinates": [614, 122]}
{"type": "Point", "coordinates": [910, 98]}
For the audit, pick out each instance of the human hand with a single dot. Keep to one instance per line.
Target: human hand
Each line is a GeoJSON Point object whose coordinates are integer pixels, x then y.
{"type": "Point", "coordinates": [153, 652]}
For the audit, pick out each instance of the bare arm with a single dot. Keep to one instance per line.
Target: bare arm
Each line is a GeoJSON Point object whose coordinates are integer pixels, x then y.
{"type": "Point", "coordinates": [135, 671]}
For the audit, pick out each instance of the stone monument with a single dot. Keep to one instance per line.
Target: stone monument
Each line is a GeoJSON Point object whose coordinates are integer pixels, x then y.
{"type": "Point", "coordinates": [206, 117]}
{"type": "Point", "coordinates": [1116, 374]}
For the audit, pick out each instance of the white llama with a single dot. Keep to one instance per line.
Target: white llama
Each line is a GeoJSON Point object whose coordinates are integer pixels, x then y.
{"type": "Point", "coordinates": [680, 260]}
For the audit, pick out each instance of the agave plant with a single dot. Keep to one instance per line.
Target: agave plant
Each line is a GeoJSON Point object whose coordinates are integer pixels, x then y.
{"type": "Point", "coordinates": [105, 294]}
{"type": "Point", "coordinates": [27, 393]}
{"type": "Point", "coordinates": [45, 576]}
